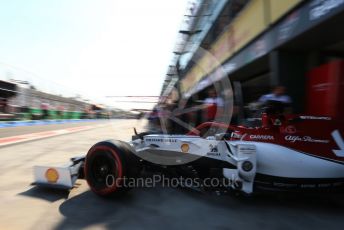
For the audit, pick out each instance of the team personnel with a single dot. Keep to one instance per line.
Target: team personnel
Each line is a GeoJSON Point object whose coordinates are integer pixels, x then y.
{"type": "Point", "coordinates": [278, 94]}
{"type": "Point", "coordinates": [213, 105]}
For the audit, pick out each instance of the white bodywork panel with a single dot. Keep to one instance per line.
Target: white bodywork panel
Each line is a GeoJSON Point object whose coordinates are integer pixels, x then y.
{"type": "Point", "coordinates": [210, 148]}
{"type": "Point", "coordinates": [276, 160]}
{"type": "Point", "coordinates": [67, 175]}
{"type": "Point", "coordinates": [258, 157]}
{"type": "Point", "coordinates": [64, 179]}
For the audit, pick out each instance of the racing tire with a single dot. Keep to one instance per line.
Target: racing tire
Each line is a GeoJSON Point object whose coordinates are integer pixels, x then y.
{"type": "Point", "coordinates": [108, 166]}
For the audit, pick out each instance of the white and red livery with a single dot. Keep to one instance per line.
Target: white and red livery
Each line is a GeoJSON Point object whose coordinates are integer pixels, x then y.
{"type": "Point", "coordinates": [286, 153]}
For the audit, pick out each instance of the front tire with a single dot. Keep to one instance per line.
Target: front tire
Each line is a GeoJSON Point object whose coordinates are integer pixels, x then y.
{"type": "Point", "coordinates": [108, 165]}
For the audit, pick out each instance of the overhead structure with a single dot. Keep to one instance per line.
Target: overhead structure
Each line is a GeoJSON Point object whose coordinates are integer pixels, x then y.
{"type": "Point", "coordinates": [259, 44]}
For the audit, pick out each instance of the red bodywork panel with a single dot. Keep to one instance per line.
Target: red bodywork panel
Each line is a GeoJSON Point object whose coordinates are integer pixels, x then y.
{"type": "Point", "coordinates": [310, 135]}
{"type": "Point", "coordinates": [325, 90]}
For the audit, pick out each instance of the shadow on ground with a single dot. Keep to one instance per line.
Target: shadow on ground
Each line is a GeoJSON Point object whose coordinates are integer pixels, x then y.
{"type": "Point", "coordinates": [166, 208]}
{"type": "Point", "coordinates": [44, 193]}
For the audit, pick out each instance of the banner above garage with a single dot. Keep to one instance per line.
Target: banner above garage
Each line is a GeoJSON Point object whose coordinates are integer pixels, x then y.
{"type": "Point", "coordinates": [297, 21]}
{"type": "Point", "coordinates": [250, 22]}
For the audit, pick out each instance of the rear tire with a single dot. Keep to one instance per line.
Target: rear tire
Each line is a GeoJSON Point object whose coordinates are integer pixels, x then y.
{"type": "Point", "coordinates": [108, 166]}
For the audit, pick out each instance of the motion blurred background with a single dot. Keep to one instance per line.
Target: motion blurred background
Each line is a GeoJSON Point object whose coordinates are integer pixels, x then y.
{"type": "Point", "coordinates": [86, 59]}
{"type": "Point", "coordinates": [73, 73]}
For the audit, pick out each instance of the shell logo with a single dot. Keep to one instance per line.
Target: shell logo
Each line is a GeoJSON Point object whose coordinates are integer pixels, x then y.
{"type": "Point", "coordinates": [51, 175]}
{"type": "Point", "coordinates": [185, 148]}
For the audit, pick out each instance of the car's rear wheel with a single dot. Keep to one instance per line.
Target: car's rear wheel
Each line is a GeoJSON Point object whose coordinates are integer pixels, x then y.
{"type": "Point", "coordinates": [109, 165]}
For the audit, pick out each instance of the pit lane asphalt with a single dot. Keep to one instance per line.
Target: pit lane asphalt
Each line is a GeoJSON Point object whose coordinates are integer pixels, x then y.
{"type": "Point", "coordinates": [23, 206]}
{"type": "Point", "coordinates": [19, 130]}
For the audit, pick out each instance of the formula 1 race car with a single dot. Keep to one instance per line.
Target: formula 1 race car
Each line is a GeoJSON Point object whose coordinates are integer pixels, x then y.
{"type": "Point", "coordinates": [286, 153]}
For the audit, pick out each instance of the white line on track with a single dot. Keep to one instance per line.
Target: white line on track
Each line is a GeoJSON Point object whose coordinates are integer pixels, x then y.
{"type": "Point", "coordinates": [40, 135]}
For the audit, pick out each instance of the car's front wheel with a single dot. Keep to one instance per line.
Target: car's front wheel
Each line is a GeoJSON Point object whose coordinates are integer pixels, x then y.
{"type": "Point", "coordinates": [108, 167]}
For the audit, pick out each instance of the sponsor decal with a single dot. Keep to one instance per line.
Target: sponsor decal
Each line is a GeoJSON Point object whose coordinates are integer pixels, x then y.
{"type": "Point", "coordinates": [247, 149]}
{"type": "Point", "coordinates": [315, 118]}
{"type": "Point", "coordinates": [213, 148]}
{"type": "Point", "coordinates": [262, 137]}
{"type": "Point", "coordinates": [287, 28]}
{"type": "Point", "coordinates": [290, 129]}
{"type": "Point", "coordinates": [322, 86]}
{"type": "Point", "coordinates": [213, 151]}
{"type": "Point", "coordinates": [259, 48]}
{"type": "Point", "coordinates": [52, 175]}
{"type": "Point", "coordinates": [322, 7]}
{"type": "Point", "coordinates": [229, 67]}
{"type": "Point", "coordinates": [185, 148]}
{"type": "Point", "coordinates": [294, 139]}
{"type": "Point", "coordinates": [277, 122]}
{"type": "Point", "coordinates": [284, 185]}
{"type": "Point", "coordinates": [308, 185]}
{"type": "Point", "coordinates": [165, 140]}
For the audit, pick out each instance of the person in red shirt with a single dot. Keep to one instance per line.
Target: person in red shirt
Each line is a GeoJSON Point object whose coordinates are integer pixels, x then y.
{"type": "Point", "coordinates": [213, 105]}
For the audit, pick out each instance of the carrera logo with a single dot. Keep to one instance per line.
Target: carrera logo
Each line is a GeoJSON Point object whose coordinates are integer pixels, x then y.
{"type": "Point", "coordinates": [262, 137]}
{"type": "Point", "coordinates": [294, 139]}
